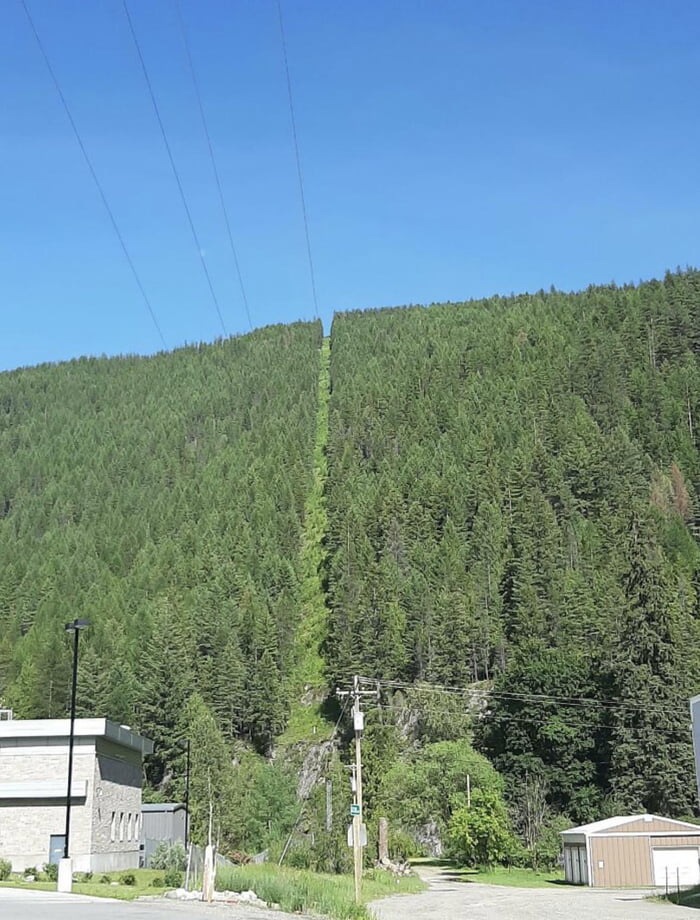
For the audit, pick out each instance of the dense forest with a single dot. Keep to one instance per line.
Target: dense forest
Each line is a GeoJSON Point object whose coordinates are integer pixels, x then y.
{"type": "Point", "coordinates": [163, 500]}
{"type": "Point", "coordinates": [490, 507]}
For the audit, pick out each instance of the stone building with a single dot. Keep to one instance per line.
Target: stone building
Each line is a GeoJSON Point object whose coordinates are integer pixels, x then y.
{"type": "Point", "coordinates": [105, 793]}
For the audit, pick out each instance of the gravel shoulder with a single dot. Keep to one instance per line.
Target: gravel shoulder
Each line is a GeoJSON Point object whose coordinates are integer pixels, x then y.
{"type": "Point", "coordinates": [448, 899]}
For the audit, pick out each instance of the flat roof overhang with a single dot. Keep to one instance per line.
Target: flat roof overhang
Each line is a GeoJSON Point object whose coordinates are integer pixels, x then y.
{"type": "Point", "coordinates": [14, 731]}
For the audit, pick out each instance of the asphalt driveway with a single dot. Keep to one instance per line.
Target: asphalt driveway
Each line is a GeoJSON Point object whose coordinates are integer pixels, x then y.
{"type": "Point", "coordinates": [449, 899]}
{"type": "Point", "coordinates": [18, 904]}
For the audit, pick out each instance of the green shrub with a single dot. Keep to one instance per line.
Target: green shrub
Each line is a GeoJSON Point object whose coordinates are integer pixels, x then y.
{"type": "Point", "coordinates": [127, 878]}
{"type": "Point", "coordinates": [106, 879]}
{"type": "Point", "coordinates": [32, 870]}
{"type": "Point", "coordinates": [300, 857]}
{"type": "Point", "coordinates": [5, 869]}
{"type": "Point", "coordinates": [402, 846]}
{"type": "Point", "coordinates": [51, 871]}
{"type": "Point", "coordinates": [157, 882]}
{"type": "Point", "coordinates": [546, 852]}
{"type": "Point", "coordinates": [169, 856]}
{"type": "Point", "coordinates": [480, 835]}
{"type": "Point", "coordinates": [174, 878]}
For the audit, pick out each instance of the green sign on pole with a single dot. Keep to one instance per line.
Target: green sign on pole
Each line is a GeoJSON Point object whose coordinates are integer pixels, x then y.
{"type": "Point", "coordinates": [355, 811]}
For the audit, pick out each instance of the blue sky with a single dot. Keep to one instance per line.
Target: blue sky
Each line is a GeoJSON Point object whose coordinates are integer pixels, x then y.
{"type": "Point", "coordinates": [450, 150]}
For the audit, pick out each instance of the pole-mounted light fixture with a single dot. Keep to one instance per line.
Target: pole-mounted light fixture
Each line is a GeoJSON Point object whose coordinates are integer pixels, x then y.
{"type": "Point", "coordinates": [75, 627]}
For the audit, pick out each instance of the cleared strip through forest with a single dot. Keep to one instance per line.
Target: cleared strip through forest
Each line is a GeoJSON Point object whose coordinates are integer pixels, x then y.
{"type": "Point", "coordinates": [308, 678]}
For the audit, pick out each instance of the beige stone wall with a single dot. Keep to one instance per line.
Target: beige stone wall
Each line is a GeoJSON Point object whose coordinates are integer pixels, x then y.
{"type": "Point", "coordinates": [117, 813]}
{"type": "Point", "coordinates": [113, 775]}
{"type": "Point", "coordinates": [26, 826]}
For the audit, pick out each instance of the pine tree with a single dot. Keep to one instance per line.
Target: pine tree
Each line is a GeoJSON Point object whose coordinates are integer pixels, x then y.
{"type": "Point", "coordinates": [655, 661]}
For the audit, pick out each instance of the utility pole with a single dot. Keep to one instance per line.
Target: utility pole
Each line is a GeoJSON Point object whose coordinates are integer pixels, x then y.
{"type": "Point", "coordinates": [358, 719]}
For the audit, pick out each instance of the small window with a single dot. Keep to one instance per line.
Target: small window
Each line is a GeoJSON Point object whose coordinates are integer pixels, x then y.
{"type": "Point", "coordinates": [121, 826]}
{"type": "Point", "coordinates": [113, 827]}
{"type": "Point", "coordinates": [136, 827]}
{"type": "Point", "coordinates": [128, 827]}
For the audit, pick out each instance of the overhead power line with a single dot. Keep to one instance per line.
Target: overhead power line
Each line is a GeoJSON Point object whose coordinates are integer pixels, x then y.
{"type": "Point", "coordinates": [579, 701]}
{"type": "Point", "coordinates": [174, 168]}
{"type": "Point", "coordinates": [298, 157]}
{"type": "Point", "coordinates": [222, 200]}
{"type": "Point", "coordinates": [93, 173]}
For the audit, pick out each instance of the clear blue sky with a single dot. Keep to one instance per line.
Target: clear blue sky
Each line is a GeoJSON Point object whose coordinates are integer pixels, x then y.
{"type": "Point", "coordinates": [450, 150]}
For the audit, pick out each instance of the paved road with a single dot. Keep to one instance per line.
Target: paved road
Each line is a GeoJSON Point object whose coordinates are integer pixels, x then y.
{"type": "Point", "coordinates": [449, 899]}
{"type": "Point", "coordinates": [19, 904]}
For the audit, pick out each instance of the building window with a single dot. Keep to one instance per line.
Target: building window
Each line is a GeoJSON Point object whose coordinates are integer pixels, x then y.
{"type": "Point", "coordinates": [136, 827]}
{"type": "Point", "coordinates": [128, 827]}
{"type": "Point", "coordinates": [121, 826]}
{"type": "Point", "coordinates": [113, 827]}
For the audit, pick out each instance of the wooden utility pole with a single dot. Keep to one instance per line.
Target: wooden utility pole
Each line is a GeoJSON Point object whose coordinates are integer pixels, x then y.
{"type": "Point", "coordinates": [358, 720]}
{"type": "Point", "coordinates": [358, 723]}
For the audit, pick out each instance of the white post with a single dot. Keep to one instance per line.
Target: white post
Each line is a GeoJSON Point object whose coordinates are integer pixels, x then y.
{"type": "Point", "coordinates": [65, 876]}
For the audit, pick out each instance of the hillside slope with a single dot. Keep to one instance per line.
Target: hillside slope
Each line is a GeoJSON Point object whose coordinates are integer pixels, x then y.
{"type": "Point", "coordinates": [498, 495]}
{"type": "Point", "coordinates": [513, 495]}
{"type": "Point", "coordinates": [163, 500]}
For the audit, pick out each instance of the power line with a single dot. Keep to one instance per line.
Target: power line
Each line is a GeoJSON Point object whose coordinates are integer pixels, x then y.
{"type": "Point", "coordinates": [176, 174]}
{"type": "Point", "coordinates": [219, 188]}
{"type": "Point", "coordinates": [298, 157]}
{"type": "Point", "coordinates": [92, 172]}
{"type": "Point", "coordinates": [524, 697]}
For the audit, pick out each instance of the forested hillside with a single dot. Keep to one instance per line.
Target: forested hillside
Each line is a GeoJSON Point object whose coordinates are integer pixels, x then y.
{"type": "Point", "coordinates": [162, 499]}
{"type": "Point", "coordinates": [490, 507]}
{"type": "Point", "coordinates": [512, 498]}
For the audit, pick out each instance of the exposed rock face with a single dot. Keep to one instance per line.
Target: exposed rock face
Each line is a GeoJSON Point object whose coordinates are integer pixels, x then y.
{"type": "Point", "coordinates": [317, 756]}
{"type": "Point", "coordinates": [429, 838]}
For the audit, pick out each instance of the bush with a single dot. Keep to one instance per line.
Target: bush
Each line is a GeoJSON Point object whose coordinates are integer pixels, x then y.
{"type": "Point", "coordinates": [106, 880]}
{"type": "Point", "coordinates": [5, 869]}
{"type": "Point", "coordinates": [51, 871]}
{"type": "Point", "coordinates": [546, 852]}
{"type": "Point", "coordinates": [157, 882]}
{"type": "Point", "coordinates": [169, 856]}
{"type": "Point", "coordinates": [301, 857]}
{"type": "Point", "coordinates": [402, 846]}
{"type": "Point", "coordinates": [127, 878]}
{"type": "Point", "coordinates": [480, 835]}
{"type": "Point", "coordinates": [32, 870]}
{"type": "Point", "coordinates": [174, 878]}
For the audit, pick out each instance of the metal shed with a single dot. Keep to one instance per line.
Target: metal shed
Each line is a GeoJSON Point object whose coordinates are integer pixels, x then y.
{"type": "Point", "coordinates": [161, 821]}
{"type": "Point", "coordinates": [633, 851]}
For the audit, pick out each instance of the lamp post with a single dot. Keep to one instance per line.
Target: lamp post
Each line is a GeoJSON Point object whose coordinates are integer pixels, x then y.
{"type": "Point", "coordinates": [185, 744]}
{"type": "Point", "coordinates": [66, 877]}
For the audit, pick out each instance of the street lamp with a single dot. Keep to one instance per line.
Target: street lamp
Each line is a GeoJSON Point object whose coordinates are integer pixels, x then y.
{"type": "Point", "coordinates": [75, 628]}
{"type": "Point", "coordinates": [184, 743]}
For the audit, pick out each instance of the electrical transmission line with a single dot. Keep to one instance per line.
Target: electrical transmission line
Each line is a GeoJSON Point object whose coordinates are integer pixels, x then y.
{"type": "Point", "coordinates": [298, 157]}
{"type": "Point", "coordinates": [174, 168]}
{"type": "Point", "coordinates": [93, 173]}
{"type": "Point", "coordinates": [544, 698]}
{"type": "Point", "coordinates": [214, 167]}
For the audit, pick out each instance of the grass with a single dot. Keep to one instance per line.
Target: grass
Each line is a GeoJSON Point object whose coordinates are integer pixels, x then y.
{"type": "Point", "coordinates": [98, 889]}
{"type": "Point", "coordinates": [496, 875]}
{"type": "Point", "coordinates": [513, 878]}
{"type": "Point", "coordinates": [298, 890]}
{"type": "Point", "coordinates": [308, 681]}
{"type": "Point", "coordinates": [688, 898]}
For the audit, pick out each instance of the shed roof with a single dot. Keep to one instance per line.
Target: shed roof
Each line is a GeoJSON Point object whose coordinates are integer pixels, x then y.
{"type": "Point", "coordinates": [162, 806]}
{"type": "Point", "coordinates": [608, 824]}
{"type": "Point", "coordinates": [13, 731]}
